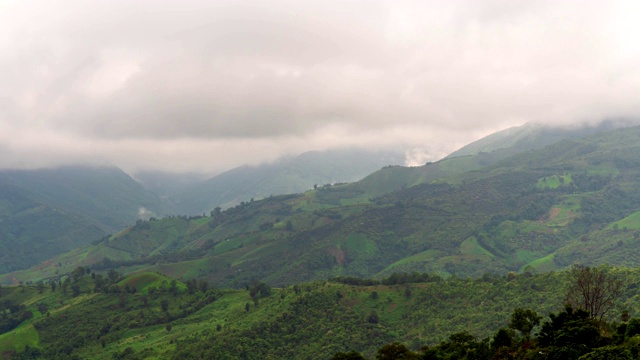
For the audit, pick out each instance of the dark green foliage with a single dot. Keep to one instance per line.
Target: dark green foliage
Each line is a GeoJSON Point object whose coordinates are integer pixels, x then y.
{"type": "Point", "coordinates": [633, 328]}
{"type": "Point", "coordinates": [395, 351]}
{"type": "Point", "coordinates": [503, 338]}
{"type": "Point", "coordinates": [12, 314]}
{"type": "Point", "coordinates": [351, 355]}
{"type": "Point", "coordinates": [259, 289]}
{"type": "Point", "coordinates": [373, 317]}
{"type": "Point", "coordinates": [570, 334]}
{"type": "Point", "coordinates": [460, 346]}
{"type": "Point", "coordinates": [313, 323]}
{"type": "Point", "coordinates": [524, 320]}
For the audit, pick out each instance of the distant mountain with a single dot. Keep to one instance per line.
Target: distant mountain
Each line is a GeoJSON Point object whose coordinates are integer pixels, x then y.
{"type": "Point", "coordinates": [46, 212]}
{"type": "Point", "coordinates": [285, 176]}
{"type": "Point", "coordinates": [166, 184]}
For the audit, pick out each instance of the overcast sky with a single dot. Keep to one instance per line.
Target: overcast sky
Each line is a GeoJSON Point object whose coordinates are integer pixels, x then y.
{"type": "Point", "coordinates": [204, 86]}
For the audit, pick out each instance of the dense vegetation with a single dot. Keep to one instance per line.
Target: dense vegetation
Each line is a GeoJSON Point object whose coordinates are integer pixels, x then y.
{"type": "Point", "coordinates": [102, 315]}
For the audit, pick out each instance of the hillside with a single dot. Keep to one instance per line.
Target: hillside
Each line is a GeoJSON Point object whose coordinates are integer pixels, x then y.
{"type": "Point", "coordinates": [150, 316]}
{"type": "Point", "coordinates": [531, 136]}
{"type": "Point", "coordinates": [543, 209]}
{"type": "Point", "coordinates": [46, 212]}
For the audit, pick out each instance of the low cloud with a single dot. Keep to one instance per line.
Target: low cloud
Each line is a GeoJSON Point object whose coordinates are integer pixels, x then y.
{"type": "Point", "coordinates": [204, 86]}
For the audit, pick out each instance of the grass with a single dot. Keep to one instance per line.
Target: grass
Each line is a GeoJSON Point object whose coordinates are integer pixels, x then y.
{"type": "Point", "coordinates": [543, 264]}
{"type": "Point", "coordinates": [425, 256]}
{"type": "Point", "coordinates": [471, 247]}
{"type": "Point", "coordinates": [145, 280]}
{"type": "Point", "coordinates": [631, 222]}
{"type": "Point", "coordinates": [526, 256]}
{"type": "Point", "coordinates": [18, 338]}
{"type": "Point", "coordinates": [359, 243]}
{"type": "Point", "coordinates": [554, 181]}
{"type": "Point", "coordinates": [605, 168]}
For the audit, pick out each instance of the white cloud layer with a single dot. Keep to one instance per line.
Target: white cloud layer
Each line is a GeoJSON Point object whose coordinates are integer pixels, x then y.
{"type": "Point", "coordinates": [196, 85]}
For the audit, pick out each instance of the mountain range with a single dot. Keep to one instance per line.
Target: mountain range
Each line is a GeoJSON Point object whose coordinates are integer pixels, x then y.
{"type": "Point", "coordinates": [47, 212]}
{"type": "Point", "coordinates": [491, 209]}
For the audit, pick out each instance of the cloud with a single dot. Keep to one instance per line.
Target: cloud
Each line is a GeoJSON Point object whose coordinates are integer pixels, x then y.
{"type": "Point", "coordinates": [204, 85]}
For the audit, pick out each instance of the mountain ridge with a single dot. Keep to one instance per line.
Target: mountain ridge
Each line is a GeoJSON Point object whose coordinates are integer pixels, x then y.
{"type": "Point", "coordinates": [528, 210]}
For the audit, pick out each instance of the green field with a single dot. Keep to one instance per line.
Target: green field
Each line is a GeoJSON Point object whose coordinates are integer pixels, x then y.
{"type": "Point", "coordinates": [631, 222]}
{"type": "Point", "coordinates": [554, 181]}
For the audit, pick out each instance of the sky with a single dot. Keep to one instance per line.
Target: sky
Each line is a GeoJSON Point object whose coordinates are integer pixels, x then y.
{"type": "Point", "coordinates": [204, 86]}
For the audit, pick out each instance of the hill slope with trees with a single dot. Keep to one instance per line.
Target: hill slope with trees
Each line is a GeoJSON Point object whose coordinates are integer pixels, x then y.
{"type": "Point", "coordinates": [103, 315]}
{"type": "Point", "coordinates": [46, 212]}
{"type": "Point", "coordinates": [543, 209]}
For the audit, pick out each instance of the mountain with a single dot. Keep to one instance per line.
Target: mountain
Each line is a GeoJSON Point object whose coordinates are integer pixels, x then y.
{"type": "Point", "coordinates": [167, 184]}
{"type": "Point", "coordinates": [478, 154]}
{"type": "Point", "coordinates": [284, 176]}
{"type": "Point", "coordinates": [533, 136]}
{"type": "Point", "coordinates": [538, 210]}
{"type": "Point", "coordinates": [46, 212]}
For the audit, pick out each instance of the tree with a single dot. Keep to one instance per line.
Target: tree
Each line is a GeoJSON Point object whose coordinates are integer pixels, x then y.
{"type": "Point", "coordinates": [351, 355]}
{"type": "Point", "coordinates": [573, 329]}
{"type": "Point", "coordinates": [216, 211]}
{"type": "Point", "coordinates": [75, 289]}
{"type": "Point", "coordinates": [524, 320]}
{"type": "Point", "coordinates": [164, 304]}
{"type": "Point", "coordinates": [395, 351]}
{"type": "Point", "coordinates": [373, 317]}
{"type": "Point", "coordinates": [593, 290]}
{"type": "Point", "coordinates": [113, 275]}
{"type": "Point", "coordinates": [204, 286]}
{"type": "Point", "coordinates": [259, 289]}
{"type": "Point", "coordinates": [173, 287]}
{"type": "Point", "coordinates": [122, 297]}
{"type": "Point", "coordinates": [502, 338]}
{"type": "Point", "coordinates": [77, 273]}
{"type": "Point", "coordinates": [192, 286]}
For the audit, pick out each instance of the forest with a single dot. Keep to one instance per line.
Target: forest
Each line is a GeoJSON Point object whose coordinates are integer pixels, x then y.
{"type": "Point", "coordinates": [404, 316]}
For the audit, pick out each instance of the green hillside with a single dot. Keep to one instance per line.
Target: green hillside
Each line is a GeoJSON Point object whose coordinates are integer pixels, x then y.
{"type": "Point", "coordinates": [47, 212]}
{"type": "Point", "coordinates": [536, 209]}
{"type": "Point", "coordinates": [105, 316]}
